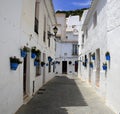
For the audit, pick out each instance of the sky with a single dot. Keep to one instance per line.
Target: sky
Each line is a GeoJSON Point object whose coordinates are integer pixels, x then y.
{"type": "Point", "coordinates": [70, 4]}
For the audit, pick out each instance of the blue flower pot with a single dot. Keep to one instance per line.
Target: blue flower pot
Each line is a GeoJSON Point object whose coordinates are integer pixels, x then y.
{"type": "Point", "coordinates": [13, 66]}
{"type": "Point", "coordinates": [91, 65]}
{"type": "Point", "coordinates": [104, 67]}
{"type": "Point", "coordinates": [36, 63]}
{"type": "Point", "coordinates": [23, 53]}
{"type": "Point", "coordinates": [108, 57]}
{"type": "Point", "coordinates": [93, 57]}
{"type": "Point", "coordinates": [33, 55]}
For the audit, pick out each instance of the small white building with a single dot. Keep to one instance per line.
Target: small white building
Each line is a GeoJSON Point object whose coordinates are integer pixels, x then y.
{"type": "Point", "coordinates": [24, 23]}
{"type": "Point", "coordinates": [100, 34]}
{"type": "Point", "coordinates": [67, 44]}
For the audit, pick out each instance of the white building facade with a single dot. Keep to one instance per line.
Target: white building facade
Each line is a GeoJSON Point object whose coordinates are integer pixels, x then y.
{"type": "Point", "coordinates": [25, 23]}
{"type": "Point", "coordinates": [100, 32]}
{"type": "Point", "coordinates": [67, 44]}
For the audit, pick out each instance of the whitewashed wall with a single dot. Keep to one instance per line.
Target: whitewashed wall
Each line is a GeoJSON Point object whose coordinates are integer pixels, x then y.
{"type": "Point", "coordinates": [97, 39]}
{"type": "Point", "coordinates": [17, 30]}
{"type": "Point", "coordinates": [113, 81]}
{"type": "Point", "coordinates": [106, 37]}
{"type": "Point", "coordinates": [10, 46]}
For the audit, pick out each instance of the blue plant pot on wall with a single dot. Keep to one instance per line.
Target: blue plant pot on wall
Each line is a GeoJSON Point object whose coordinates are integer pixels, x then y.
{"type": "Point", "coordinates": [91, 65]}
{"type": "Point", "coordinates": [46, 64]}
{"type": "Point", "coordinates": [13, 66]}
{"type": "Point", "coordinates": [33, 55]}
{"type": "Point", "coordinates": [108, 57]}
{"type": "Point", "coordinates": [23, 53]}
{"type": "Point", "coordinates": [93, 57]}
{"type": "Point", "coordinates": [104, 67]}
{"type": "Point", "coordinates": [36, 63]}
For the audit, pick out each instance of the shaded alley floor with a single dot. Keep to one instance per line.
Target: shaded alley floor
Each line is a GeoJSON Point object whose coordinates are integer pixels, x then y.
{"type": "Point", "coordinates": [65, 95]}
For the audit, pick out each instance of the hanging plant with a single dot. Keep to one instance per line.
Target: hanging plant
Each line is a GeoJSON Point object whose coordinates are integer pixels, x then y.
{"type": "Point", "coordinates": [37, 52]}
{"type": "Point", "coordinates": [104, 66]}
{"type": "Point", "coordinates": [47, 64]}
{"type": "Point", "coordinates": [33, 52]}
{"type": "Point", "coordinates": [50, 59]}
{"type": "Point", "coordinates": [24, 51]}
{"type": "Point", "coordinates": [14, 62]}
{"type": "Point", "coordinates": [91, 64]}
{"type": "Point", "coordinates": [36, 62]}
{"type": "Point", "coordinates": [93, 56]}
{"type": "Point", "coordinates": [84, 64]}
{"type": "Point", "coordinates": [42, 63]}
{"type": "Point", "coordinates": [70, 62]}
{"type": "Point", "coordinates": [107, 55]}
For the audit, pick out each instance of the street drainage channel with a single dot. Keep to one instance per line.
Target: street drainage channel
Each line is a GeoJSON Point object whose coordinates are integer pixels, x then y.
{"type": "Point", "coordinates": [41, 91]}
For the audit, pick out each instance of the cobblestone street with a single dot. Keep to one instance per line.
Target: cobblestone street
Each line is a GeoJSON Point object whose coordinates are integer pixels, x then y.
{"type": "Point", "coordinates": [65, 95]}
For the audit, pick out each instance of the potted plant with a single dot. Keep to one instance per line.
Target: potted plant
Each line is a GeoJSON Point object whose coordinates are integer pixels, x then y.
{"type": "Point", "coordinates": [84, 64]}
{"type": "Point", "coordinates": [104, 66]}
{"type": "Point", "coordinates": [107, 55]}
{"type": "Point", "coordinates": [91, 64]}
{"type": "Point", "coordinates": [24, 51]}
{"type": "Point", "coordinates": [33, 52]}
{"type": "Point", "coordinates": [46, 64]}
{"type": "Point", "coordinates": [50, 59]}
{"type": "Point", "coordinates": [37, 52]}
{"type": "Point", "coordinates": [36, 62]}
{"type": "Point", "coordinates": [70, 62]}
{"type": "Point", "coordinates": [14, 62]}
{"type": "Point", "coordinates": [93, 56]}
{"type": "Point", "coordinates": [42, 63]}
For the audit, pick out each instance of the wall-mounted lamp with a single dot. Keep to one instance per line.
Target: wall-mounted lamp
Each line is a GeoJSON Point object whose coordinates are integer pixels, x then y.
{"type": "Point", "coordinates": [55, 30]}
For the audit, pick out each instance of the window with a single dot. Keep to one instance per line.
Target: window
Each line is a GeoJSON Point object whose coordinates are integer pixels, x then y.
{"type": "Point", "coordinates": [49, 35]}
{"type": "Point", "coordinates": [76, 66]}
{"type": "Point", "coordinates": [44, 31]}
{"type": "Point", "coordinates": [36, 22]}
{"type": "Point", "coordinates": [74, 49]}
{"type": "Point", "coordinates": [95, 19]}
{"type": "Point", "coordinates": [49, 42]}
{"type": "Point", "coordinates": [82, 38]}
{"type": "Point", "coordinates": [38, 68]}
{"type": "Point", "coordinates": [49, 67]}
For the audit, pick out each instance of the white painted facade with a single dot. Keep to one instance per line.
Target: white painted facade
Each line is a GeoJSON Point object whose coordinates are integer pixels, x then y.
{"type": "Point", "coordinates": [64, 46]}
{"type": "Point", "coordinates": [100, 38]}
{"type": "Point", "coordinates": [17, 30]}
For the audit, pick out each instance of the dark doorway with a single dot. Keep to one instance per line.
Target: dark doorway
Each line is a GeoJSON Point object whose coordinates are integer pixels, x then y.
{"type": "Point", "coordinates": [76, 66]}
{"type": "Point", "coordinates": [44, 57]}
{"type": "Point", "coordinates": [64, 67]}
{"type": "Point", "coordinates": [24, 76]}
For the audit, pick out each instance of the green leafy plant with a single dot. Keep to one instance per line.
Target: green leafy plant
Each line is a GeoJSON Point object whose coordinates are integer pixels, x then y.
{"type": "Point", "coordinates": [104, 64]}
{"type": "Point", "coordinates": [15, 60]}
{"type": "Point", "coordinates": [26, 49]}
{"type": "Point", "coordinates": [107, 53]}
{"type": "Point", "coordinates": [38, 52]}
{"type": "Point", "coordinates": [33, 49]}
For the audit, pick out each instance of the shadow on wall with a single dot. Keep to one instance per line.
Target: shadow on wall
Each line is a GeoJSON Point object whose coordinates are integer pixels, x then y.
{"type": "Point", "coordinates": [58, 93]}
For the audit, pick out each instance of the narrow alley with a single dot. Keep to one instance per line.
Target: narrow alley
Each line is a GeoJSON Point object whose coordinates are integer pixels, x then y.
{"type": "Point", "coordinates": [65, 95]}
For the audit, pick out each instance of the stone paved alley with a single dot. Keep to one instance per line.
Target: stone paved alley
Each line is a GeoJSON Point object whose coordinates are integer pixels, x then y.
{"type": "Point", "coordinates": [65, 95]}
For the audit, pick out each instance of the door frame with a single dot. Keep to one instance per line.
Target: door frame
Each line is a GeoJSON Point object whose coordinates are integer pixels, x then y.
{"type": "Point", "coordinates": [97, 67]}
{"type": "Point", "coordinates": [27, 76]}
